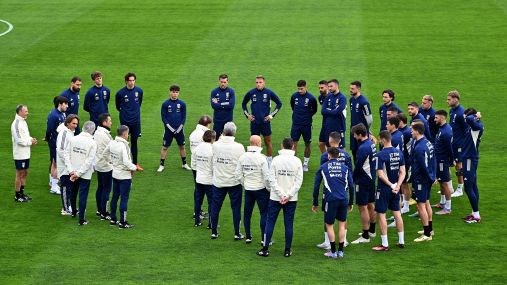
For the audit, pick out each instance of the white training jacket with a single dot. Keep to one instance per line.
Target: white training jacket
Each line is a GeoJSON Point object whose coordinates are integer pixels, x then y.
{"type": "Point", "coordinates": [119, 151]}
{"type": "Point", "coordinates": [253, 171]}
{"type": "Point", "coordinates": [102, 138]}
{"type": "Point", "coordinates": [226, 153]}
{"type": "Point", "coordinates": [62, 144]}
{"type": "Point", "coordinates": [287, 171]}
{"type": "Point", "coordinates": [80, 155]}
{"type": "Point", "coordinates": [202, 160]}
{"type": "Point", "coordinates": [195, 139]}
{"type": "Point", "coordinates": [21, 139]}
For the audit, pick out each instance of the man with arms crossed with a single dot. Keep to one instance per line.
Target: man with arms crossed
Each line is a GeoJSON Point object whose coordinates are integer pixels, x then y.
{"type": "Point", "coordinates": [222, 101]}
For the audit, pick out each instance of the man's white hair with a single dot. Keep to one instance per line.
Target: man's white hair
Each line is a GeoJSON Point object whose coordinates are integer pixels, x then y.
{"type": "Point", "coordinates": [89, 127]}
{"type": "Point", "coordinates": [229, 129]}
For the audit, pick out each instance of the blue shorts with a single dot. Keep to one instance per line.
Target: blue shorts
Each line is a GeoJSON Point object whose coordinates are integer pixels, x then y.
{"type": "Point", "coordinates": [469, 169]}
{"type": "Point", "coordinates": [52, 153]}
{"type": "Point", "coordinates": [335, 210]}
{"type": "Point", "coordinates": [457, 151]}
{"type": "Point", "coordinates": [22, 164]}
{"type": "Point", "coordinates": [168, 138]}
{"type": "Point", "coordinates": [365, 193]}
{"type": "Point", "coordinates": [134, 129]}
{"type": "Point", "coordinates": [443, 173]}
{"type": "Point", "coordinates": [306, 131]}
{"type": "Point", "coordinates": [422, 191]}
{"type": "Point", "coordinates": [386, 199]}
{"type": "Point", "coordinates": [324, 137]}
{"type": "Point", "coordinates": [260, 129]}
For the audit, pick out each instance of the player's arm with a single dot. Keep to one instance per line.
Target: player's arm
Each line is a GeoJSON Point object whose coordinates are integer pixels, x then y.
{"type": "Point", "coordinates": [473, 122]}
{"type": "Point", "coordinates": [214, 102]}
{"type": "Point", "coordinates": [360, 159]}
{"type": "Point", "coordinates": [51, 125]}
{"type": "Point", "coordinates": [342, 104]}
{"type": "Point", "coordinates": [297, 182]}
{"type": "Point", "coordinates": [292, 102]}
{"type": "Point", "coordinates": [87, 101]}
{"type": "Point", "coordinates": [239, 172]}
{"type": "Point", "coordinates": [350, 182]}
{"type": "Point", "coordinates": [367, 114]}
{"type": "Point", "coordinates": [313, 105]}
{"type": "Point", "coordinates": [316, 187]}
{"type": "Point", "coordinates": [163, 115]}
{"type": "Point", "coordinates": [140, 97]}
{"type": "Point", "coordinates": [183, 116]}
{"type": "Point", "coordinates": [278, 103]}
{"type": "Point", "coordinates": [118, 101]}
{"type": "Point", "coordinates": [448, 144]}
{"type": "Point", "coordinates": [246, 99]}
{"type": "Point", "coordinates": [108, 95]}
{"type": "Point", "coordinates": [125, 159]}
{"type": "Point", "coordinates": [401, 176]}
{"type": "Point", "coordinates": [19, 137]}
{"type": "Point", "coordinates": [232, 101]}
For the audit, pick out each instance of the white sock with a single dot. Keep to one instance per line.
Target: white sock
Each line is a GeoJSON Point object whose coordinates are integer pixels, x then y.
{"type": "Point", "coordinates": [306, 160]}
{"type": "Point", "coordinates": [326, 238]}
{"type": "Point", "coordinates": [50, 179]}
{"type": "Point", "coordinates": [405, 204]}
{"type": "Point", "coordinates": [345, 239]}
{"type": "Point", "coordinates": [459, 188]}
{"type": "Point", "coordinates": [384, 240]}
{"type": "Point", "coordinates": [401, 238]}
{"type": "Point", "coordinates": [54, 184]}
{"type": "Point", "coordinates": [448, 204]}
{"type": "Point", "coordinates": [442, 199]}
{"type": "Point", "coordinates": [450, 185]}
{"type": "Point", "coordinates": [476, 215]}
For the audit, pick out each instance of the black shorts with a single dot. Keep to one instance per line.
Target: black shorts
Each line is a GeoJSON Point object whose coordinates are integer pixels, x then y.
{"type": "Point", "coordinates": [22, 164]}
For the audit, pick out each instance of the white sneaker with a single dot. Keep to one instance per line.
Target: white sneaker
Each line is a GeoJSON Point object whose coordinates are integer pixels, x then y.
{"type": "Point", "coordinates": [405, 210]}
{"type": "Point", "coordinates": [423, 238]}
{"type": "Point", "coordinates": [457, 193]}
{"type": "Point", "coordinates": [305, 168]}
{"type": "Point", "coordinates": [346, 243]}
{"type": "Point", "coordinates": [392, 225]}
{"type": "Point", "coordinates": [324, 246]}
{"type": "Point", "coordinates": [55, 190]}
{"type": "Point", "coordinates": [64, 213]}
{"type": "Point", "coordinates": [186, 167]}
{"type": "Point", "coordinates": [361, 240]}
{"type": "Point", "coordinates": [421, 232]}
{"type": "Point", "coordinates": [160, 168]}
{"type": "Point", "coordinates": [370, 234]}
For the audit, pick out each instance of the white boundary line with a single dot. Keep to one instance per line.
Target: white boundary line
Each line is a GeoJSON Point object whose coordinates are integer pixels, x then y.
{"type": "Point", "coordinates": [8, 30]}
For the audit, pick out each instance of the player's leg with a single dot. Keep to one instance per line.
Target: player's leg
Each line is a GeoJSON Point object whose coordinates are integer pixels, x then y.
{"type": "Point", "coordinates": [381, 204]}
{"type": "Point", "coordinates": [17, 184]}
{"type": "Point", "coordinates": [266, 132]}
{"type": "Point", "coordinates": [135, 133]}
{"type": "Point", "coordinates": [125, 186]}
{"type": "Point", "coordinates": [341, 216]}
{"type": "Point", "coordinates": [235, 195]}
{"type": "Point", "coordinates": [471, 189]}
{"type": "Point", "coordinates": [218, 200]}
{"type": "Point", "coordinates": [247, 213]}
{"type": "Point", "coordinates": [209, 197]}
{"type": "Point", "coordinates": [362, 203]}
{"type": "Point", "coordinates": [262, 203]}
{"type": "Point", "coordinates": [421, 197]}
{"type": "Point", "coordinates": [180, 139]}
{"type": "Point", "coordinates": [114, 201]}
{"type": "Point", "coordinates": [166, 143]}
{"type": "Point", "coordinates": [400, 227]}
{"type": "Point", "coordinates": [199, 193]}
{"type": "Point", "coordinates": [330, 215]}
{"type": "Point", "coordinates": [307, 137]}
{"type": "Point", "coordinates": [289, 210]}
{"type": "Point", "coordinates": [84, 188]}
{"type": "Point", "coordinates": [99, 192]}
{"type": "Point", "coordinates": [371, 209]}
{"type": "Point", "coordinates": [108, 179]}
{"type": "Point", "coordinates": [274, 208]}
{"type": "Point", "coordinates": [74, 191]}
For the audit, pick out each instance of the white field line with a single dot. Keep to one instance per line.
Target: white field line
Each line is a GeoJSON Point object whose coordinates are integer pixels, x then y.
{"type": "Point", "coordinates": [10, 27]}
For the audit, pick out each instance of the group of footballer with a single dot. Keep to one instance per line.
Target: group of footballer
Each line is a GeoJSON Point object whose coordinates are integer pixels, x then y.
{"type": "Point", "coordinates": [418, 153]}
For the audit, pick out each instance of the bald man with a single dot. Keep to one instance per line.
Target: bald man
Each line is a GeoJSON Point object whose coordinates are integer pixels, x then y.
{"type": "Point", "coordinates": [253, 173]}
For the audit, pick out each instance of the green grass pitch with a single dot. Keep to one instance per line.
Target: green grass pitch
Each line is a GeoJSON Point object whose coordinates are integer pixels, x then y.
{"type": "Point", "coordinates": [413, 47]}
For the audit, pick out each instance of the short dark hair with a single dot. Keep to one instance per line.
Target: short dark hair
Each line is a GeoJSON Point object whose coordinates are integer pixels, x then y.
{"type": "Point", "coordinates": [333, 152]}
{"type": "Point", "coordinates": [402, 117]}
{"type": "Point", "coordinates": [393, 109]}
{"type": "Point", "coordinates": [70, 118]}
{"type": "Point", "coordinates": [96, 74]}
{"type": "Point", "coordinates": [301, 83]}
{"type": "Point", "coordinates": [335, 137]}
{"type": "Point", "coordinates": [174, 88]}
{"type": "Point", "coordinates": [390, 93]}
{"type": "Point", "coordinates": [385, 135]}
{"type": "Point", "coordinates": [75, 78]}
{"type": "Point", "coordinates": [356, 83]}
{"type": "Point", "coordinates": [223, 76]}
{"type": "Point", "coordinates": [121, 130]}
{"type": "Point", "coordinates": [287, 143]}
{"type": "Point", "coordinates": [19, 108]}
{"type": "Point", "coordinates": [323, 82]}
{"type": "Point", "coordinates": [209, 135]}
{"type": "Point", "coordinates": [334, 81]}
{"type": "Point", "coordinates": [205, 120]}
{"type": "Point", "coordinates": [359, 129]}
{"type": "Point", "coordinates": [103, 118]}
{"type": "Point", "coordinates": [413, 104]}
{"type": "Point", "coordinates": [441, 113]}
{"type": "Point", "coordinates": [130, 74]}
{"type": "Point", "coordinates": [418, 126]}
{"type": "Point", "coordinates": [60, 100]}
{"type": "Point", "coordinates": [469, 111]}
{"type": "Point", "coordinates": [395, 121]}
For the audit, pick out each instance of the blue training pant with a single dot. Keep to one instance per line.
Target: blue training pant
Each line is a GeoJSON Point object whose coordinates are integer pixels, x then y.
{"type": "Point", "coordinates": [235, 193]}
{"type": "Point", "coordinates": [262, 198]}
{"type": "Point", "coordinates": [81, 186]}
{"type": "Point", "coordinates": [199, 192]}
{"type": "Point", "coordinates": [470, 180]}
{"type": "Point", "coordinates": [289, 209]}
{"type": "Point", "coordinates": [121, 190]}
{"type": "Point", "coordinates": [65, 189]}
{"type": "Point", "coordinates": [104, 182]}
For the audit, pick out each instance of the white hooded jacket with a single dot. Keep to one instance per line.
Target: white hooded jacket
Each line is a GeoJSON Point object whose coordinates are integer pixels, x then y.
{"type": "Point", "coordinates": [102, 138]}
{"type": "Point", "coordinates": [287, 171]}
{"type": "Point", "coordinates": [253, 171]}
{"type": "Point", "coordinates": [80, 155]}
{"type": "Point", "coordinates": [226, 153]}
{"type": "Point", "coordinates": [119, 151]}
{"type": "Point", "coordinates": [21, 139]}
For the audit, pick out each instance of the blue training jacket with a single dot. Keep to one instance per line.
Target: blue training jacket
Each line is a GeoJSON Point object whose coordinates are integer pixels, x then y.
{"type": "Point", "coordinates": [429, 115]}
{"type": "Point", "coordinates": [96, 101]}
{"type": "Point", "coordinates": [443, 145]}
{"type": "Point", "coordinates": [423, 162]}
{"type": "Point", "coordinates": [337, 178]}
{"type": "Point", "coordinates": [472, 137]}
{"type": "Point", "coordinates": [174, 113]}
{"type": "Point", "coordinates": [224, 108]}
{"type": "Point", "coordinates": [383, 114]}
{"type": "Point", "coordinates": [333, 112]}
{"type": "Point", "coordinates": [73, 98]}
{"type": "Point", "coordinates": [364, 171]}
{"type": "Point", "coordinates": [458, 124]}
{"type": "Point", "coordinates": [427, 132]}
{"type": "Point", "coordinates": [128, 103]}
{"type": "Point", "coordinates": [303, 108]}
{"type": "Point", "coordinates": [389, 160]}
{"type": "Point", "coordinates": [359, 110]}
{"type": "Point", "coordinates": [55, 118]}
{"type": "Point", "coordinates": [260, 104]}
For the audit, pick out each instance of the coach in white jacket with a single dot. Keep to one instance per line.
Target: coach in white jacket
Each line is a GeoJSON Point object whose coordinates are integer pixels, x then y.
{"type": "Point", "coordinates": [226, 153]}
{"type": "Point", "coordinates": [21, 143]}
{"type": "Point", "coordinates": [65, 133]}
{"type": "Point", "coordinates": [287, 171]}
{"type": "Point", "coordinates": [202, 160]}
{"type": "Point", "coordinates": [253, 172]}
{"type": "Point", "coordinates": [123, 168]}
{"type": "Point", "coordinates": [103, 165]}
{"type": "Point", "coordinates": [79, 159]}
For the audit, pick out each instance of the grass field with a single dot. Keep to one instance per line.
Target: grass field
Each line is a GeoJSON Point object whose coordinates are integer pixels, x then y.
{"type": "Point", "coordinates": [413, 47]}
